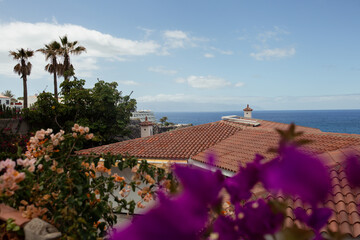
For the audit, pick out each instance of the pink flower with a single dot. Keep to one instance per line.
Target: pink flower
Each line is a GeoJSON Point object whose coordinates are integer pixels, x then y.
{"type": "Point", "coordinates": [89, 136]}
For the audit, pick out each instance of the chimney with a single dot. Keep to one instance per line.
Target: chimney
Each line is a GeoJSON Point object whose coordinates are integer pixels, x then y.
{"type": "Point", "coordinates": [247, 112]}
{"type": "Point", "coordinates": [146, 128]}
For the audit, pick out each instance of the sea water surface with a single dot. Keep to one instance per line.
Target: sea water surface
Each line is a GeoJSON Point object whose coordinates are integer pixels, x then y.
{"type": "Point", "coordinates": [341, 121]}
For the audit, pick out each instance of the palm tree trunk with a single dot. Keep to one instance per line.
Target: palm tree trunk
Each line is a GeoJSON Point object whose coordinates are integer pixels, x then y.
{"type": "Point", "coordinates": [25, 91]}
{"type": "Point", "coordinates": [66, 66]}
{"type": "Point", "coordinates": [55, 80]}
{"type": "Point", "coordinates": [24, 73]}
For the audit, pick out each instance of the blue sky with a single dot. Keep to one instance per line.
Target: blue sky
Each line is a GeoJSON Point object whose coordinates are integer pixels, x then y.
{"type": "Point", "coordinates": [197, 55]}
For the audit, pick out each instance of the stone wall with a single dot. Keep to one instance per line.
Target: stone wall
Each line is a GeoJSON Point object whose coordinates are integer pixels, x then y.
{"type": "Point", "coordinates": [16, 126]}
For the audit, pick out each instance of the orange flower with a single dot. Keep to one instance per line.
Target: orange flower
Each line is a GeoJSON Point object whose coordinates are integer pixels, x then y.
{"type": "Point", "coordinates": [46, 197]}
{"type": "Point", "coordinates": [118, 178]}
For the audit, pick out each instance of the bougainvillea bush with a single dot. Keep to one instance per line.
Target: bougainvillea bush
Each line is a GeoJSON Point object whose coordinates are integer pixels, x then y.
{"type": "Point", "coordinates": [9, 112]}
{"type": "Point", "coordinates": [12, 145]}
{"type": "Point", "coordinates": [77, 194]}
{"type": "Point", "coordinates": [212, 206]}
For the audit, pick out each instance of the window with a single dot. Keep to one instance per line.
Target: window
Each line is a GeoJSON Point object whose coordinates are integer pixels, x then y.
{"type": "Point", "coordinates": [7, 102]}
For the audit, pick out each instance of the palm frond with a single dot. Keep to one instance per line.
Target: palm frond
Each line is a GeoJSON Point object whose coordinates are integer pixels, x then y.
{"type": "Point", "coordinates": [17, 69]}
{"type": "Point", "coordinates": [28, 68]}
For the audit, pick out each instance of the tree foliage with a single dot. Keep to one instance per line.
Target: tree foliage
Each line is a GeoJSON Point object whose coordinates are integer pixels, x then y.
{"type": "Point", "coordinates": [103, 108]}
{"type": "Point", "coordinates": [77, 194]}
{"type": "Point", "coordinates": [66, 49]}
{"type": "Point", "coordinates": [8, 93]}
{"type": "Point", "coordinates": [23, 68]}
{"type": "Point", "coordinates": [52, 51]}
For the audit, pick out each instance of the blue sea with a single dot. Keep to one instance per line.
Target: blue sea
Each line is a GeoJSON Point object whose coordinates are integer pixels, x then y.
{"type": "Point", "coordinates": [341, 121]}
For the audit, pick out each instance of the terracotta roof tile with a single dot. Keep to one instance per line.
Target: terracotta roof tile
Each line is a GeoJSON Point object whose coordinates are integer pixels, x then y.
{"type": "Point", "coordinates": [241, 147]}
{"type": "Point", "coordinates": [178, 144]}
{"type": "Point", "coordinates": [236, 144]}
{"type": "Point", "coordinates": [343, 202]}
{"type": "Point", "coordinates": [248, 108]}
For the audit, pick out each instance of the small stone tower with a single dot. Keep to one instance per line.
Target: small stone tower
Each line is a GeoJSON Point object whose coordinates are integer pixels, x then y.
{"type": "Point", "coordinates": [146, 128]}
{"type": "Point", "coordinates": [247, 112]}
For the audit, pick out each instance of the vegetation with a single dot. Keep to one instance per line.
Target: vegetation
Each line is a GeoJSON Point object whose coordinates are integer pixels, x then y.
{"type": "Point", "coordinates": [52, 52]}
{"type": "Point", "coordinates": [80, 195]}
{"type": "Point", "coordinates": [102, 108]}
{"type": "Point", "coordinates": [164, 121]}
{"type": "Point", "coordinates": [23, 68]}
{"type": "Point", "coordinates": [66, 49]}
{"type": "Point", "coordinates": [8, 93]}
{"type": "Point", "coordinates": [9, 112]}
{"type": "Point", "coordinates": [12, 145]}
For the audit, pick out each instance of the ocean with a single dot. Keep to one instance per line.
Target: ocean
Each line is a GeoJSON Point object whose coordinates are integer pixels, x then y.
{"type": "Point", "coordinates": [341, 121]}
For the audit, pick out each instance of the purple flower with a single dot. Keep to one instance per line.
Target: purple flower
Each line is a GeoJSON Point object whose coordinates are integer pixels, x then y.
{"type": "Point", "coordinates": [180, 218]}
{"type": "Point", "coordinates": [226, 228]}
{"type": "Point", "coordinates": [299, 174]}
{"type": "Point", "coordinates": [352, 170]}
{"type": "Point", "coordinates": [203, 185]}
{"type": "Point", "coordinates": [240, 185]}
{"type": "Point", "coordinates": [177, 219]}
{"type": "Point", "coordinates": [211, 158]}
{"type": "Point", "coordinates": [256, 219]}
{"type": "Point", "coordinates": [316, 220]}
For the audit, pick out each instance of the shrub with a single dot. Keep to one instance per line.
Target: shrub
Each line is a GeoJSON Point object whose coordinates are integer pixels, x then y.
{"type": "Point", "coordinates": [75, 193]}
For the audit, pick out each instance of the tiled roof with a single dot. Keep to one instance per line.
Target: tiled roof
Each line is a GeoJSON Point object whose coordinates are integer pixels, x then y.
{"type": "Point", "coordinates": [236, 143]}
{"type": "Point", "coordinates": [146, 123]}
{"type": "Point", "coordinates": [178, 144]}
{"type": "Point", "coordinates": [343, 200]}
{"type": "Point", "coordinates": [248, 108]}
{"type": "Point", "coordinates": [241, 148]}
{"type": "Point", "coordinates": [2, 96]}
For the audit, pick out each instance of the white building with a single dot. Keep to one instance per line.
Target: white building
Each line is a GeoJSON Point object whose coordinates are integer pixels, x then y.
{"type": "Point", "coordinates": [142, 115]}
{"type": "Point", "coordinates": [4, 100]}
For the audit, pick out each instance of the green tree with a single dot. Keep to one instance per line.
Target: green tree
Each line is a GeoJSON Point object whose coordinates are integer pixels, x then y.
{"type": "Point", "coordinates": [103, 108]}
{"type": "Point", "coordinates": [163, 120]}
{"type": "Point", "coordinates": [51, 52]}
{"type": "Point", "coordinates": [8, 93]}
{"type": "Point", "coordinates": [66, 49]}
{"type": "Point", "coordinates": [23, 68]}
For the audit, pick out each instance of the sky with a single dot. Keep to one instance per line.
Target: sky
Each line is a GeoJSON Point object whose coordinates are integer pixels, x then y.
{"type": "Point", "coordinates": [196, 55]}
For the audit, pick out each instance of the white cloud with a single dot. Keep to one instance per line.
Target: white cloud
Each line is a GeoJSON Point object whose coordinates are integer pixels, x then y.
{"type": "Point", "coordinates": [179, 39]}
{"type": "Point", "coordinates": [98, 45]}
{"type": "Point", "coordinates": [180, 97]}
{"type": "Point", "coordinates": [53, 19]}
{"type": "Point", "coordinates": [239, 84]}
{"type": "Point", "coordinates": [209, 55]}
{"type": "Point", "coordinates": [175, 35]}
{"type": "Point", "coordinates": [162, 70]}
{"type": "Point", "coordinates": [267, 54]}
{"type": "Point", "coordinates": [205, 82]}
{"type": "Point", "coordinates": [129, 82]}
{"type": "Point", "coordinates": [176, 39]}
{"type": "Point", "coordinates": [147, 31]}
{"type": "Point", "coordinates": [224, 52]}
{"type": "Point", "coordinates": [274, 34]}
{"type": "Point", "coordinates": [188, 102]}
{"type": "Point", "coordinates": [180, 80]}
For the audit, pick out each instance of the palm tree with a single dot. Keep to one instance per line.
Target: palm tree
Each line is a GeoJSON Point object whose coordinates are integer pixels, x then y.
{"type": "Point", "coordinates": [68, 48]}
{"type": "Point", "coordinates": [8, 93]}
{"type": "Point", "coordinates": [23, 68]}
{"type": "Point", "coordinates": [51, 52]}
